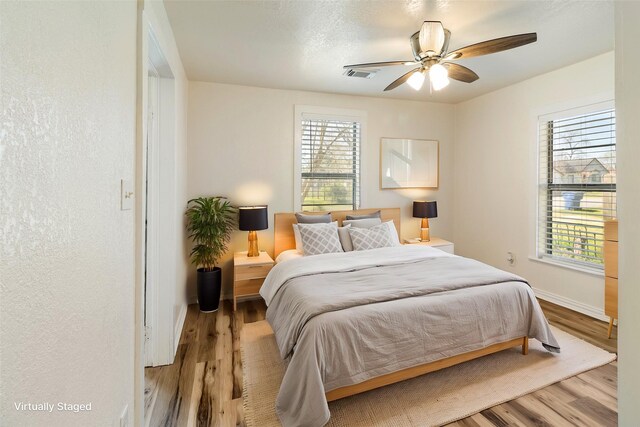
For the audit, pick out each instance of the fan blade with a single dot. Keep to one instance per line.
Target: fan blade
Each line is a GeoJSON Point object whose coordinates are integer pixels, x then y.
{"type": "Point", "coordinates": [458, 72]}
{"type": "Point", "coordinates": [401, 80]}
{"type": "Point", "coordinates": [380, 64]}
{"type": "Point", "coordinates": [492, 46]}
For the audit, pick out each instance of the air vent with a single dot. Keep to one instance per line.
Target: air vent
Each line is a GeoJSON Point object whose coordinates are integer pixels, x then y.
{"type": "Point", "coordinates": [363, 74]}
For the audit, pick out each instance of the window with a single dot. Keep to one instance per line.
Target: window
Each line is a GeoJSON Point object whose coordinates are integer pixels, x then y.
{"type": "Point", "coordinates": [577, 184]}
{"type": "Point", "coordinates": [329, 162]}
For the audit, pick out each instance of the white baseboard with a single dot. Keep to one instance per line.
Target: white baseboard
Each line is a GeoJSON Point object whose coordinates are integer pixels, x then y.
{"type": "Point", "coordinates": [177, 330]}
{"type": "Point", "coordinates": [589, 310]}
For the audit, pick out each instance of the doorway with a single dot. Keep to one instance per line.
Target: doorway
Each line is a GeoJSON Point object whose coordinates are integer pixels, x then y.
{"type": "Point", "coordinates": [158, 219]}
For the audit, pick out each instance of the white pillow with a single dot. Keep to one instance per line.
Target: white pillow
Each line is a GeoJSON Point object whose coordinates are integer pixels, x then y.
{"type": "Point", "coordinates": [345, 239]}
{"type": "Point", "coordinates": [371, 238]}
{"type": "Point", "coordinates": [393, 233]}
{"type": "Point", "coordinates": [320, 238]}
{"type": "Point", "coordinates": [296, 235]}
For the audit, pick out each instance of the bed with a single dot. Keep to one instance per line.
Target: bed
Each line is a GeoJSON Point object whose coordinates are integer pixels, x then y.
{"type": "Point", "coordinates": [346, 323]}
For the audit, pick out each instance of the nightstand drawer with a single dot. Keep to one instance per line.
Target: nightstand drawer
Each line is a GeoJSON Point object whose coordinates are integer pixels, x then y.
{"type": "Point", "coordinates": [252, 271]}
{"type": "Point", "coordinates": [247, 287]}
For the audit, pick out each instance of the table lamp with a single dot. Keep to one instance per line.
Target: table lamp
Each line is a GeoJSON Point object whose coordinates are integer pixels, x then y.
{"type": "Point", "coordinates": [425, 210]}
{"type": "Point", "coordinates": [251, 219]}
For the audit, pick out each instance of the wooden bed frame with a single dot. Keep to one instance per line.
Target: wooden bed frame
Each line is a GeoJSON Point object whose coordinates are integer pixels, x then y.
{"type": "Point", "coordinates": [285, 240]}
{"type": "Point", "coordinates": [416, 371]}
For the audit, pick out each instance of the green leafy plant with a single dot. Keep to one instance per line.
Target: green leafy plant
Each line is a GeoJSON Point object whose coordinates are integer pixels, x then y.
{"type": "Point", "coordinates": [210, 221]}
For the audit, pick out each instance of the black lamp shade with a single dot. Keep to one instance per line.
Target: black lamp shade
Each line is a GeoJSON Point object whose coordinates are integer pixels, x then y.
{"type": "Point", "coordinates": [425, 210]}
{"type": "Point", "coordinates": [253, 218]}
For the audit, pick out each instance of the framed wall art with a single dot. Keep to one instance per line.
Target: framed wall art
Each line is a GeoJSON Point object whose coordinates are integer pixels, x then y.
{"type": "Point", "coordinates": [408, 163]}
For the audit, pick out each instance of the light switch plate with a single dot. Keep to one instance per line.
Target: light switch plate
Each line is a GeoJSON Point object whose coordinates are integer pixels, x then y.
{"type": "Point", "coordinates": [126, 195]}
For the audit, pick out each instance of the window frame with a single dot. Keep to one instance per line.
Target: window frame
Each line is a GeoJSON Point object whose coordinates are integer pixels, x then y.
{"type": "Point", "coordinates": [544, 188]}
{"type": "Point", "coordinates": [325, 113]}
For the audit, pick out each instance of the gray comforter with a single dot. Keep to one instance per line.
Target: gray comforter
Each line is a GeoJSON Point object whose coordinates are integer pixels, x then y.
{"type": "Point", "coordinates": [343, 319]}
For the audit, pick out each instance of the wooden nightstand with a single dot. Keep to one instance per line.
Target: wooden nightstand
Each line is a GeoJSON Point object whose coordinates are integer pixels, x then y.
{"type": "Point", "coordinates": [611, 272]}
{"type": "Point", "coordinates": [249, 273]}
{"type": "Point", "coordinates": [436, 242]}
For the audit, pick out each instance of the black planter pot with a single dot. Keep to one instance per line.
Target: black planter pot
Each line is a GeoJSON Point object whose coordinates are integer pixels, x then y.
{"type": "Point", "coordinates": [209, 284]}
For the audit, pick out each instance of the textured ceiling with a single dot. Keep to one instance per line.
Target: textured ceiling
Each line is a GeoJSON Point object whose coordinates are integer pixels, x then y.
{"type": "Point", "coordinates": [304, 44]}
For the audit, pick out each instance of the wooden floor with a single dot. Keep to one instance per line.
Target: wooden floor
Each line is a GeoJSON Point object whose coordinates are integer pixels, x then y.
{"type": "Point", "coordinates": [203, 387]}
{"type": "Point", "coordinates": [580, 325]}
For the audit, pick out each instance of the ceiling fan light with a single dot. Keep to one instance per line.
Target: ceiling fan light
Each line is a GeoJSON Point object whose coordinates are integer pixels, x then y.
{"type": "Point", "coordinates": [440, 84]}
{"type": "Point", "coordinates": [438, 76]}
{"type": "Point", "coordinates": [432, 37]}
{"type": "Point", "coordinates": [416, 80]}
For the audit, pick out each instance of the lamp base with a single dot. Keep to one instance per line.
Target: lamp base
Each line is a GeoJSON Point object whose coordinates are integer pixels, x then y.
{"type": "Point", "coordinates": [424, 230]}
{"type": "Point", "coordinates": [253, 244]}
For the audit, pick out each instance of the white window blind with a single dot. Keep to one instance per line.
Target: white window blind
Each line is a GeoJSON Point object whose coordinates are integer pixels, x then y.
{"type": "Point", "coordinates": [577, 185]}
{"type": "Point", "coordinates": [330, 163]}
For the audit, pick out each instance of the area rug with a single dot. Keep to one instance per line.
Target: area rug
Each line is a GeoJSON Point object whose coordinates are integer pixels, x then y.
{"type": "Point", "coordinates": [434, 399]}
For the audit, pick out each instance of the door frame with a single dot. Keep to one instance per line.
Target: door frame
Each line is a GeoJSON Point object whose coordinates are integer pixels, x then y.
{"type": "Point", "coordinates": [150, 198]}
{"type": "Point", "coordinates": [156, 221]}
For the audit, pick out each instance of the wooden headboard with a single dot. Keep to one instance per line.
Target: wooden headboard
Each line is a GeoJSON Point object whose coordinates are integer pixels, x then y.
{"type": "Point", "coordinates": [284, 239]}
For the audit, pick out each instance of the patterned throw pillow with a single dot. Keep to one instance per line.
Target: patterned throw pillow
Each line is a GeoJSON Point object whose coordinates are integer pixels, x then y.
{"type": "Point", "coordinates": [370, 238]}
{"type": "Point", "coordinates": [320, 238]}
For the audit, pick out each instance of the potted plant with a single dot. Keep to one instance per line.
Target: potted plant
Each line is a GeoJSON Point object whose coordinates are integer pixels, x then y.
{"type": "Point", "coordinates": [210, 221]}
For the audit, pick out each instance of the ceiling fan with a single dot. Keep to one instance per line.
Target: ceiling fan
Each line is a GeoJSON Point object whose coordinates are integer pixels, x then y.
{"type": "Point", "coordinates": [430, 51]}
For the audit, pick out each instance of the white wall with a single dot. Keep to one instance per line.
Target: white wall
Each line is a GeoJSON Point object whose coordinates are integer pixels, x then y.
{"type": "Point", "coordinates": [68, 76]}
{"type": "Point", "coordinates": [241, 143]}
{"type": "Point", "coordinates": [628, 133]}
{"type": "Point", "coordinates": [496, 182]}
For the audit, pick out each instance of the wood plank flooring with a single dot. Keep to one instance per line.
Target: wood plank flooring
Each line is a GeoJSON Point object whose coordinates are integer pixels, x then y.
{"type": "Point", "coordinates": [582, 326]}
{"type": "Point", "coordinates": [203, 387]}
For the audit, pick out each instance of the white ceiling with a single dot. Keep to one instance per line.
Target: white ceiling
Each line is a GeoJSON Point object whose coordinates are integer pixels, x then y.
{"type": "Point", "coordinates": [304, 44]}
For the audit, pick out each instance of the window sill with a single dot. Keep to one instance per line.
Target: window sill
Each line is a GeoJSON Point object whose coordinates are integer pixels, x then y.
{"type": "Point", "coordinates": [592, 271]}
